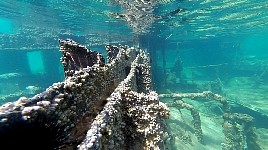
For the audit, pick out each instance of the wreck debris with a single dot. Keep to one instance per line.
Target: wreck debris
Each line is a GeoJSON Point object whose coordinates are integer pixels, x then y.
{"type": "Point", "coordinates": [179, 104]}
{"type": "Point", "coordinates": [112, 52]}
{"type": "Point", "coordinates": [208, 95]}
{"type": "Point", "coordinates": [237, 128]}
{"type": "Point", "coordinates": [239, 132]}
{"type": "Point", "coordinates": [107, 106]}
{"type": "Point", "coordinates": [76, 57]}
{"type": "Point", "coordinates": [97, 106]}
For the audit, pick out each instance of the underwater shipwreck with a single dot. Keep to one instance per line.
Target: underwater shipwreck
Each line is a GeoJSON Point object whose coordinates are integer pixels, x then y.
{"type": "Point", "coordinates": [110, 106]}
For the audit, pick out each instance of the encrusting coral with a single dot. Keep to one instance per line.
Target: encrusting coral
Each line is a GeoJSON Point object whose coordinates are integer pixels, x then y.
{"type": "Point", "coordinates": [97, 106]}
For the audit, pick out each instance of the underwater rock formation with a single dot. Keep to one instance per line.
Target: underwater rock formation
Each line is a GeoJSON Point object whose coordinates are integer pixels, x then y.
{"type": "Point", "coordinates": [97, 106]}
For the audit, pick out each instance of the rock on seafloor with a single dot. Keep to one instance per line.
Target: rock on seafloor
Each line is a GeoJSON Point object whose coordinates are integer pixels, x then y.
{"type": "Point", "coordinates": [97, 106]}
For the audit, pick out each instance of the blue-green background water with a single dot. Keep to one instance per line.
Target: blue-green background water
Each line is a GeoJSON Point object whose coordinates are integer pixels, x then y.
{"type": "Point", "coordinates": [221, 45]}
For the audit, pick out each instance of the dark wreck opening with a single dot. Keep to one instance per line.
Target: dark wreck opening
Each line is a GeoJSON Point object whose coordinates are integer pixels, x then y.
{"type": "Point", "coordinates": [127, 70]}
{"type": "Point", "coordinates": [41, 135]}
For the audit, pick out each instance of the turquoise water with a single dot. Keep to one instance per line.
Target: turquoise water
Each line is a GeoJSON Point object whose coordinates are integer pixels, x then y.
{"type": "Point", "coordinates": [195, 46]}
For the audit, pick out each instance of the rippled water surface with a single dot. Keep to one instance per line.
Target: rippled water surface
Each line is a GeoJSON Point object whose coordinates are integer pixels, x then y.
{"type": "Point", "coordinates": [37, 24]}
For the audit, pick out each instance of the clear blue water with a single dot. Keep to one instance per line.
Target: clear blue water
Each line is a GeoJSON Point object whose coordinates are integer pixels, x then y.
{"type": "Point", "coordinates": [216, 42]}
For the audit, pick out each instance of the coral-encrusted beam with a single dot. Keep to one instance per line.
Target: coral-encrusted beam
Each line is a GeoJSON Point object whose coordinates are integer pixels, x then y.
{"type": "Point", "coordinates": [76, 57]}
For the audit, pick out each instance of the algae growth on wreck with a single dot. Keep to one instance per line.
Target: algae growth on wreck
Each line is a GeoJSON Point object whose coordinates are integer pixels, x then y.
{"type": "Point", "coordinates": [134, 74]}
